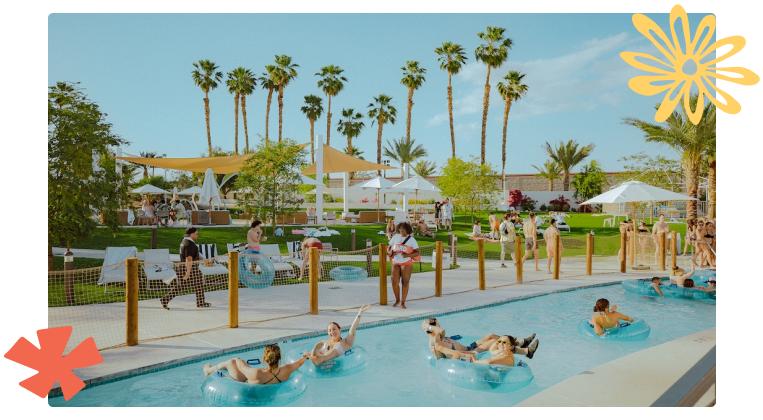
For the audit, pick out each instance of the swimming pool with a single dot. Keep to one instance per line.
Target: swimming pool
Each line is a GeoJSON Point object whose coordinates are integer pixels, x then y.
{"type": "Point", "coordinates": [396, 374]}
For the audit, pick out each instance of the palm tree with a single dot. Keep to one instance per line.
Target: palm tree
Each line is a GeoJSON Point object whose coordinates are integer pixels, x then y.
{"type": "Point", "coordinates": [285, 72]}
{"type": "Point", "coordinates": [413, 77]}
{"type": "Point", "coordinates": [207, 79]}
{"type": "Point", "coordinates": [239, 81]}
{"type": "Point", "coordinates": [451, 59]}
{"type": "Point", "coordinates": [567, 156]}
{"type": "Point", "coordinates": [711, 173]}
{"type": "Point", "coordinates": [331, 83]}
{"type": "Point", "coordinates": [404, 151]}
{"type": "Point", "coordinates": [424, 168]}
{"type": "Point", "coordinates": [550, 171]}
{"type": "Point", "coordinates": [249, 82]}
{"type": "Point", "coordinates": [350, 126]}
{"type": "Point", "coordinates": [354, 152]}
{"type": "Point", "coordinates": [266, 82]}
{"type": "Point", "coordinates": [383, 112]}
{"type": "Point", "coordinates": [512, 91]}
{"type": "Point", "coordinates": [312, 110]}
{"type": "Point", "coordinates": [144, 166]}
{"type": "Point", "coordinates": [494, 53]}
{"type": "Point", "coordinates": [689, 140]}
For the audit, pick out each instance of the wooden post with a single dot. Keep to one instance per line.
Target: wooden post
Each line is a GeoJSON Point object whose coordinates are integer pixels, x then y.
{"type": "Point", "coordinates": [69, 277]}
{"type": "Point", "coordinates": [131, 298]}
{"type": "Point", "coordinates": [589, 255]}
{"type": "Point", "coordinates": [369, 256]}
{"type": "Point", "coordinates": [233, 289]}
{"type": "Point", "coordinates": [673, 249]}
{"type": "Point", "coordinates": [557, 256]}
{"type": "Point", "coordinates": [454, 253]}
{"type": "Point", "coordinates": [153, 236]}
{"type": "Point", "coordinates": [663, 257]}
{"type": "Point", "coordinates": [518, 252]}
{"type": "Point", "coordinates": [383, 274]}
{"type": "Point", "coordinates": [632, 250]}
{"type": "Point", "coordinates": [481, 262]}
{"type": "Point", "coordinates": [624, 251]}
{"type": "Point", "coordinates": [352, 239]}
{"type": "Point", "coordinates": [313, 281]}
{"type": "Point", "coordinates": [438, 269]}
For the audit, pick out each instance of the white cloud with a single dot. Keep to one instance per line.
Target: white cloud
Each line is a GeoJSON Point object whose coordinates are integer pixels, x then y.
{"type": "Point", "coordinates": [437, 119]}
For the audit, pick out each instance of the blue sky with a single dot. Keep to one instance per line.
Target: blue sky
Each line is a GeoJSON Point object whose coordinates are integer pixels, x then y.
{"type": "Point", "coordinates": [138, 68]}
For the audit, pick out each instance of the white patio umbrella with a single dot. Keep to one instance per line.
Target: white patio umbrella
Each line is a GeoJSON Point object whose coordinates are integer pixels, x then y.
{"type": "Point", "coordinates": [209, 189]}
{"type": "Point", "coordinates": [149, 189]}
{"type": "Point", "coordinates": [416, 184]}
{"type": "Point", "coordinates": [377, 184]}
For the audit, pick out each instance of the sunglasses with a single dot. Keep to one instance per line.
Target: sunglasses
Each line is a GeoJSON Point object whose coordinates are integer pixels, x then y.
{"type": "Point", "coordinates": [503, 342]}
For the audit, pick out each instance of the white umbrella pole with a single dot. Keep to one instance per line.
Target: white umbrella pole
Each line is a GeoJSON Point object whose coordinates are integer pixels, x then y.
{"type": "Point", "coordinates": [345, 184]}
{"type": "Point", "coordinates": [405, 194]}
{"type": "Point", "coordinates": [319, 178]}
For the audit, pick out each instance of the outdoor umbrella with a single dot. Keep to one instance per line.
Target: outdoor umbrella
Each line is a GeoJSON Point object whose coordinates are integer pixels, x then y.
{"type": "Point", "coordinates": [415, 184]}
{"type": "Point", "coordinates": [377, 184]}
{"type": "Point", "coordinates": [209, 189]}
{"type": "Point", "coordinates": [149, 189]}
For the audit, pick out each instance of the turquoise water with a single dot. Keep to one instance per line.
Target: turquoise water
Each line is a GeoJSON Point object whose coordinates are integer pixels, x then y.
{"type": "Point", "coordinates": [397, 375]}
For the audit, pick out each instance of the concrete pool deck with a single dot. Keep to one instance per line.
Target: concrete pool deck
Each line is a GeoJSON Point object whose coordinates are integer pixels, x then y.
{"type": "Point", "coordinates": [160, 354]}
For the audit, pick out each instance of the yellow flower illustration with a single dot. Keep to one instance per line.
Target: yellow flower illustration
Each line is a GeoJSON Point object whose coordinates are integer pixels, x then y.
{"type": "Point", "coordinates": [678, 59]}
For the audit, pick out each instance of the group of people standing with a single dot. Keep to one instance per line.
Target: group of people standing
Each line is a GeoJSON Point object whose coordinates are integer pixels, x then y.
{"type": "Point", "coordinates": [700, 233]}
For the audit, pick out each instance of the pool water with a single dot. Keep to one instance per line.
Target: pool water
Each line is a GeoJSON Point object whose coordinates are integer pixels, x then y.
{"type": "Point", "coordinates": [397, 375]}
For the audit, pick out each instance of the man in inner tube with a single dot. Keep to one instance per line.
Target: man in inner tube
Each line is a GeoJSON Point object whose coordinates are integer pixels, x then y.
{"type": "Point", "coordinates": [432, 327]}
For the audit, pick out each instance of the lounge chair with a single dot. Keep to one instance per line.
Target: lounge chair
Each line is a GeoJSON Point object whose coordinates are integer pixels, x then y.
{"type": "Point", "coordinates": [329, 251]}
{"type": "Point", "coordinates": [209, 251]}
{"type": "Point", "coordinates": [560, 224]}
{"type": "Point", "coordinates": [329, 216]}
{"type": "Point", "coordinates": [114, 264]}
{"type": "Point", "coordinates": [236, 246]}
{"type": "Point", "coordinates": [157, 265]}
{"type": "Point", "coordinates": [430, 221]}
{"type": "Point", "coordinates": [279, 262]}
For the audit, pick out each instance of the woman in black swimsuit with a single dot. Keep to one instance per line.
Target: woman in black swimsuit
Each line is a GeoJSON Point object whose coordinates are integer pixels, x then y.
{"type": "Point", "coordinates": [240, 371]}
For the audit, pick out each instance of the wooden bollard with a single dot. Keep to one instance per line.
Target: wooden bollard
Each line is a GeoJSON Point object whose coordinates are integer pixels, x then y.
{"type": "Point", "coordinates": [438, 269]}
{"type": "Point", "coordinates": [632, 250]}
{"type": "Point", "coordinates": [313, 281]}
{"type": "Point", "coordinates": [589, 255]}
{"type": "Point", "coordinates": [663, 243]}
{"type": "Point", "coordinates": [233, 289]}
{"type": "Point", "coordinates": [131, 300]}
{"type": "Point", "coordinates": [481, 262]}
{"type": "Point", "coordinates": [69, 278]}
{"type": "Point", "coordinates": [557, 256]}
{"type": "Point", "coordinates": [518, 252]}
{"type": "Point", "coordinates": [624, 251]}
{"type": "Point", "coordinates": [383, 274]}
{"type": "Point", "coordinates": [673, 249]}
{"type": "Point", "coordinates": [454, 252]}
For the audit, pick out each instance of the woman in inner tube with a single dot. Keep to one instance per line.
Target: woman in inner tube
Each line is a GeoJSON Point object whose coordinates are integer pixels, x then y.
{"type": "Point", "coordinates": [402, 262]}
{"type": "Point", "coordinates": [335, 346]}
{"type": "Point", "coordinates": [505, 346]}
{"type": "Point", "coordinates": [274, 374]}
{"type": "Point", "coordinates": [605, 318]}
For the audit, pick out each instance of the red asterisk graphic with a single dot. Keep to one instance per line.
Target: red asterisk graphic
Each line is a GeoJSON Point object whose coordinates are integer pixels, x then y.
{"type": "Point", "coordinates": [50, 363]}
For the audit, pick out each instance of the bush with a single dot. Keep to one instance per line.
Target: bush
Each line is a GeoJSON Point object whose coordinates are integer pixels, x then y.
{"type": "Point", "coordinates": [328, 199]}
{"type": "Point", "coordinates": [543, 207]}
{"type": "Point", "coordinates": [527, 203]}
{"type": "Point", "coordinates": [310, 198]}
{"type": "Point", "coordinates": [339, 200]}
{"type": "Point", "coordinates": [566, 207]}
{"type": "Point", "coordinates": [515, 198]}
{"type": "Point", "coordinates": [393, 201]}
{"type": "Point", "coordinates": [431, 201]}
{"type": "Point", "coordinates": [560, 203]}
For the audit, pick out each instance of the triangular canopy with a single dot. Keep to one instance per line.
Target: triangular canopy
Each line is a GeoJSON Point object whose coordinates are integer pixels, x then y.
{"type": "Point", "coordinates": [636, 192]}
{"type": "Point", "coordinates": [149, 189]}
{"type": "Point", "coordinates": [335, 161]}
{"type": "Point", "coordinates": [416, 183]}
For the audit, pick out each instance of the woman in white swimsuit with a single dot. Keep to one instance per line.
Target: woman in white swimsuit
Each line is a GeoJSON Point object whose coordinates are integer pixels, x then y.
{"type": "Point", "coordinates": [335, 346]}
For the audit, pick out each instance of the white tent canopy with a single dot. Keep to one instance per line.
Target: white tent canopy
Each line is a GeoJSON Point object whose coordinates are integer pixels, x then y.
{"type": "Point", "coordinates": [149, 189]}
{"type": "Point", "coordinates": [636, 192]}
{"type": "Point", "coordinates": [381, 185]}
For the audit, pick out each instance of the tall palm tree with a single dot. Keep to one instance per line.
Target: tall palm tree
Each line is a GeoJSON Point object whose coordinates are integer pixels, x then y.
{"type": "Point", "coordinates": [332, 83]}
{"type": "Point", "coordinates": [351, 126]}
{"type": "Point", "coordinates": [206, 77]}
{"type": "Point", "coordinates": [413, 77]}
{"type": "Point", "coordinates": [711, 173]}
{"type": "Point", "coordinates": [494, 53]}
{"type": "Point", "coordinates": [404, 151]}
{"type": "Point", "coordinates": [567, 155]}
{"type": "Point", "coordinates": [382, 112]}
{"type": "Point", "coordinates": [285, 72]}
{"type": "Point", "coordinates": [239, 81]}
{"type": "Point", "coordinates": [266, 82]}
{"type": "Point", "coordinates": [512, 91]}
{"type": "Point", "coordinates": [313, 109]}
{"type": "Point", "coordinates": [247, 88]}
{"type": "Point", "coordinates": [354, 152]}
{"type": "Point", "coordinates": [424, 168]}
{"type": "Point", "coordinates": [452, 58]}
{"type": "Point", "coordinates": [550, 171]}
{"type": "Point", "coordinates": [690, 141]}
{"type": "Point", "coordinates": [144, 166]}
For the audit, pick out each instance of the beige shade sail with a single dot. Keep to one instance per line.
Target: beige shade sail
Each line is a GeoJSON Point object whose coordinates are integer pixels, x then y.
{"type": "Point", "coordinates": [335, 161]}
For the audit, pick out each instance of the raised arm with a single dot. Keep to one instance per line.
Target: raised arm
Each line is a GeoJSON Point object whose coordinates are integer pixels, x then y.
{"type": "Point", "coordinates": [350, 339]}
{"type": "Point", "coordinates": [291, 367]}
{"type": "Point", "coordinates": [689, 274]}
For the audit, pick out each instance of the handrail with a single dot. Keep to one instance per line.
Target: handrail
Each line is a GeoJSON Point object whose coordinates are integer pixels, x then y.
{"type": "Point", "coordinates": [692, 386]}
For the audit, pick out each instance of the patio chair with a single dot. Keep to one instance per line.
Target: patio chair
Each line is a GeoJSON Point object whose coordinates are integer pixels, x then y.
{"type": "Point", "coordinates": [236, 246]}
{"type": "Point", "coordinates": [329, 251]}
{"type": "Point", "coordinates": [157, 265]}
{"type": "Point", "coordinates": [113, 270]}
{"type": "Point", "coordinates": [141, 217]}
{"type": "Point", "coordinates": [209, 251]}
{"type": "Point", "coordinates": [560, 224]}
{"type": "Point", "coordinates": [609, 222]}
{"type": "Point", "coordinates": [329, 216]}
{"type": "Point", "coordinates": [312, 216]}
{"type": "Point", "coordinates": [430, 221]}
{"type": "Point", "coordinates": [279, 262]}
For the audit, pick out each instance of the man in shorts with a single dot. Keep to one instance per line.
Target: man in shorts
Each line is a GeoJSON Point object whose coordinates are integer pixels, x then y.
{"type": "Point", "coordinates": [551, 235]}
{"type": "Point", "coordinates": [432, 327]}
{"type": "Point", "coordinates": [657, 229]}
{"type": "Point", "coordinates": [507, 239]}
{"type": "Point", "coordinates": [530, 242]}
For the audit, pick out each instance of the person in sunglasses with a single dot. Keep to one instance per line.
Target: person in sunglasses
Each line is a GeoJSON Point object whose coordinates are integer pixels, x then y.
{"type": "Point", "coordinates": [503, 354]}
{"type": "Point", "coordinates": [240, 371]}
{"type": "Point", "coordinates": [487, 343]}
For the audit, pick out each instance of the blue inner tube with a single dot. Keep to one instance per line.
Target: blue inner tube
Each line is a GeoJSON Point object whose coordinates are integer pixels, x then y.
{"type": "Point", "coordinates": [627, 331]}
{"type": "Point", "coordinates": [220, 390]}
{"type": "Point", "coordinates": [255, 269]}
{"type": "Point", "coordinates": [482, 377]}
{"type": "Point", "coordinates": [644, 287]}
{"type": "Point", "coordinates": [348, 273]}
{"type": "Point", "coordinates": [350, 362]}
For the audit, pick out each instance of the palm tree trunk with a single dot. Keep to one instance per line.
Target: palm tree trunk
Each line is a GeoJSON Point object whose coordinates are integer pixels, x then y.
{"type": "Point", "coordinates": [485, 102]}
{"type": "Point", "coordinates": [312, 141]}
{"type": "Point", "coordinates": [551, 184]}
{"type": "Point", "coordinates": [243, 113]}
{"type": "Point", "coordinates": [450, 116]}
{"type": "Point", "coordinates": [566, 180]}
{"type": "Point", "coordinates": [236, 99]}
{"type": "Point", "coordinates": [691, 171]}
{"type": "Point", "coordinates": [267, 113]}
{"type": "Point", "coordinates": [410, 105]}
{"type": "Point", "coordinates": [503, 145]}
{"type": "Point", "coordinates": [206, 113]}
{"type": "Point", "coordinates": [349, 152]}
{"type": "Point", "coordinates": [379, 144]}
{"type": "Point", "coordinates": [280, 111]}
{"type": "Point", "coordinates": [711, 188]}
{"type": "Point", "coordinates": [328, 124]}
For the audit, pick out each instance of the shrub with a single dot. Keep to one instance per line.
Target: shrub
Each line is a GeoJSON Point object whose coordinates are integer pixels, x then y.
{"type": "Point", "coordinates": [543, 207]}
{"type": "Point", "coordinates": [431, 201]}
{"type": "Point", "coordinates": [310, 198]}
{"type": "Point", "coordinates": [339, 200]}
{"type": "Point", "coordinates": [566, 207]}
{"type": "Point", "coordinates": [527, 203]}
{"type": "Point", "coordinates": [515, 198]}
{"type": "Point", "coordinates": [328, 199]}
{"type": "Point", "coordinates": [393, 201]}
{"type": "Point", "coordinates": [560, 202]}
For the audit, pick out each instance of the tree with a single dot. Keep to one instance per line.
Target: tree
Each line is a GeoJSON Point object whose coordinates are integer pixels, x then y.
{"type": "Point", "coordinates": [404, 151]}
{"type": "Point", "coordinates": [207, 79]}
{"type": "Point", "coordinates": [468, 183]}
{"type": "Point", "coordinates": [589, 182]}
{"type": "Point", "coordinates": [413, 78]}
{"type": "Point", "coordinates": [657, 171]}
{"type": "Point", "coordinates": [512, 91]}
{"type": "Point", "coordinates": [240, 83]}
{"type": "Point", "coordinates": [354, 152]}
{"type": "Point", "coordinates": [550, 171]}
{"type": "Point", "coordinates": [284, 73]}
{"type": "Point", "coordinates": [155, 180]}
{"type": "Point", "coordinates": [690, 141]}
{"type": "Point", "coordinates": [266, 82]}
{"type": "Point", "coordinates": [451, 58]}
{"type": "Point", "coordinates": [146, 166]}
{"type": "Point", "coordinates": [350, 126]}
{"type": "Point", "coordinates": [383, 112]}
{"type": "Point", "coordinates": [424, 168]}
{"type": "Point", "coordinates": [78, 136]}
{"type": "Point", "coordinates": [313, 109]}
{"type": "Point", "coordinates": [270, 178]}
{"type": "Point", "coordinates": [567, 155]}
{"type": "Point", "coordinates": [711, 173]}
{"type": "Point", "coordinates": [493, 53]}
{"type": "Point", "coordinates": [331, 83]}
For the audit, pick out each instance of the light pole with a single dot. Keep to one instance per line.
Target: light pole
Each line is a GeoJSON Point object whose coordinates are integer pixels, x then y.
{"type": "Point", "coordinates": [385, 162]}
{"type": "Point", "coordinates": [164, 156]}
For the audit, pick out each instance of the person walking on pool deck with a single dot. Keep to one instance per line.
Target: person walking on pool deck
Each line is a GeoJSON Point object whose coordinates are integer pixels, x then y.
{"type": "Point", "coordinates": [274, 374]}
{"type": "Point", "coordinates": [403, 248]}
{"type": "Point", "coordinates": [189, 253]}
{"type": "Point", "coordinates": [550, 235]}
{"type": "Point", "coordinates": [507, 239]}
{"type": "Point", "coordinates": [530, 240]}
